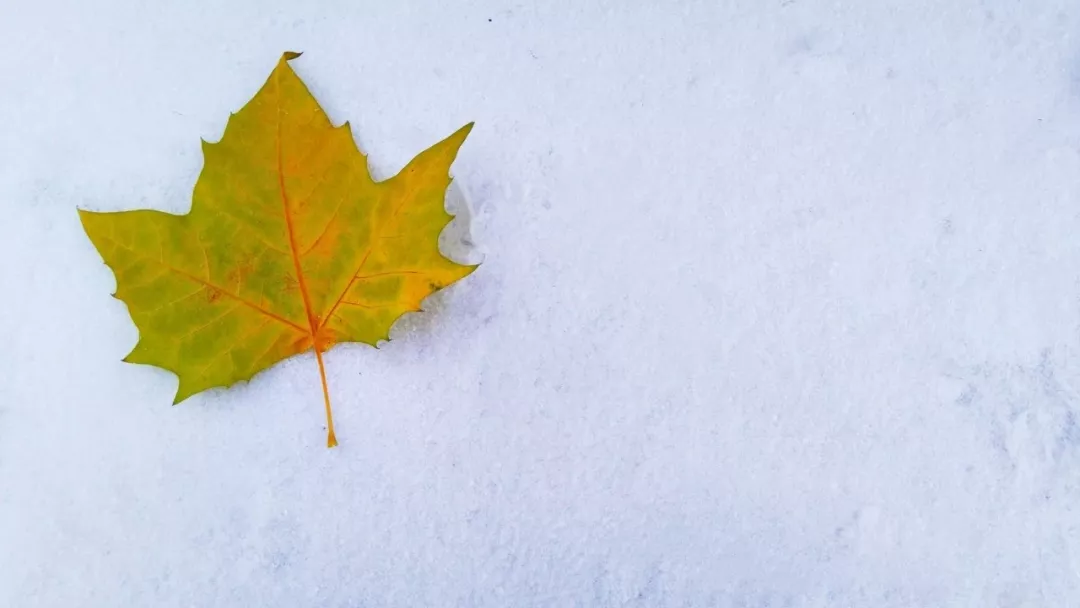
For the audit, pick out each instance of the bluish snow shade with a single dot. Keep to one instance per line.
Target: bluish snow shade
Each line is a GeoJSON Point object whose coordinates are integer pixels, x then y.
{"type": "Point", "coordinates": [780, 307]}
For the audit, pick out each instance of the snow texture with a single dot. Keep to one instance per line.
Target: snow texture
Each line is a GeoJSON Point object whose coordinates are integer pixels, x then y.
{"type": "Point", "coordinates": [779, 307]}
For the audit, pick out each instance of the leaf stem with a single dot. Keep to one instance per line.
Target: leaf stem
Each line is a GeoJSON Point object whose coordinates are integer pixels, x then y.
{"type": "Point", "coordinates": [331, 439]}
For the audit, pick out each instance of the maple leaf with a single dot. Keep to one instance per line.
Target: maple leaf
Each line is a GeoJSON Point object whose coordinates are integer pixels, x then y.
{"type": "Point", "coordinates": [290, 245]}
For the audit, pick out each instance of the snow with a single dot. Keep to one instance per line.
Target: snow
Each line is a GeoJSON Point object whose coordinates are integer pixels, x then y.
{"type": "Point", "coordinates": [779, 307]}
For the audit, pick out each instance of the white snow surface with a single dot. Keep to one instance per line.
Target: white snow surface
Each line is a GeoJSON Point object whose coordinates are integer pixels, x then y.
{"type": "Point", "coordinates": [779, 307]}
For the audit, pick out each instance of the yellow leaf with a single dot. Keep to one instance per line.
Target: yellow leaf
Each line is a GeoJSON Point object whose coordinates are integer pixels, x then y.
{"type": "Point", "coordinates": [289, 245]}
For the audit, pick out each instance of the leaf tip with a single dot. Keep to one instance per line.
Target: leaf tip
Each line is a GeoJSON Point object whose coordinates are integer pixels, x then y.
{"type": "Point", "coordinates": [331, 439]}
{"type": "Point", "coordinates": [290, 55]}
{"type": "Point", "coordinates": [182, 392]}
{"type": "Point", "coordinates": [453, 142]}
{"type": "Point", "coordinates": [84, 216]}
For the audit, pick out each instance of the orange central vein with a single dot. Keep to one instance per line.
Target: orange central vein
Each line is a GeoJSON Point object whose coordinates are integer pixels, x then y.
{"type": "Point", "coordinates": [313, 326]}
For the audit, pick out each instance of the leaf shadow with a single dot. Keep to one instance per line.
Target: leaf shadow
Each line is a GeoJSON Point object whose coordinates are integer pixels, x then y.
{"type": "Point", "coordinates": [455, 242]}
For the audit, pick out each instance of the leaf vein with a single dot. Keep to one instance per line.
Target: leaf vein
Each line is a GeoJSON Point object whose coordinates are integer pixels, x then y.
{"type": "Point", "coordinates": [225, 292]}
